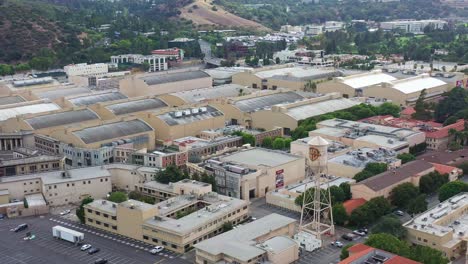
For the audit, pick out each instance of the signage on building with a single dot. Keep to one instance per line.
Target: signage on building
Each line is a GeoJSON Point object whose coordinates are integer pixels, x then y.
{"type": "Point", "coordinates": [279, 178]}
{"type": "Point", "coordinates": [314, 153]}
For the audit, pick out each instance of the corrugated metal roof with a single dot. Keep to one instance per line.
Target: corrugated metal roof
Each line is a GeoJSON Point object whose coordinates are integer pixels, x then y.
{"type": "Point", "coordinates": [96, 98]}
{"type": "Point", "coordinates": [136, 106]}
{"type": "Point", "coordinates": [315, 109]}
{"type": "Point", "coordinates": [62, 92]}
{"type": "Point", "coordinates": [174, 77]}
{"type": "Point", "coordinates": [60, 119]}
{"type": "Point", "coordinates": [27, 109]}
{"type": "Point", "coordinates": [221, 91]}
{"type": "Point", "coordinates": [11, 100]}
{"type": "Point", "coordinates": [113, 130]}
{"type": "Point", "coordinates": [172, 120]}
{"type": "Point", "coordinates": [261, 102]}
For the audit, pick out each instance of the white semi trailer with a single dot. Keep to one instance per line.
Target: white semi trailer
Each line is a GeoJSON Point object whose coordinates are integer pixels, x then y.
{"type": "Point", "coordinates": [69, 235]}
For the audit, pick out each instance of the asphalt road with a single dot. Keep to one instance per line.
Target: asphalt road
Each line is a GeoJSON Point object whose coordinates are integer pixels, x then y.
{"type": "Point", "coordinates": [45, 249]}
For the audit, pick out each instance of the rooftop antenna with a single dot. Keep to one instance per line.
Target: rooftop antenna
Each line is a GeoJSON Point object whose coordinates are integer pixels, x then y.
{"type": "Point", "coordinates": [316, 214]}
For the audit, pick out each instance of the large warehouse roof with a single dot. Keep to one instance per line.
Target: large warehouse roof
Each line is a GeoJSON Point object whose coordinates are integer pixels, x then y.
{"type": "Point", "coordinates": [174, 77]}
{"type": "Point", "coordinates": [27, 109]}
{"type": "Point", "coordinates": [180, 118]}
{"type": "Point", "coordinates": [136, 106]}
{"type": "Point", "coordinates": [310, 110]}
{"type": "Point", "coordinates": [60, 119]}
{"type": "Point", "coordinates": [11, 100]}
{"type": "Point", "coordinates": [221, 91]}
{"type": "Point", "coordinates": [365, 80]}
{"type": "Point", "coordinates": [299, 73]}
{"type": "Point", "coordinates": [113, 130]}
{"type": "Point", "coordinates": [96, 98]}
{"type": "Point", "coordinates": [417, 84]}
{"type": "Point", "coordinates": [260, 157]}
{"type": "Point", "coordinates": [261, 102]}
{"type": "Point", "coordinates": [62, 92]}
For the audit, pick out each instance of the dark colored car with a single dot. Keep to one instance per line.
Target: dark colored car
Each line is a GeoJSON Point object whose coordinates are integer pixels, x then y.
{"type": "Point", "coordinates": [101, 261]}
{"type": "Point", "coordinates": [93, 250]}
{"type": "Point", "coordinates": [20, 228]}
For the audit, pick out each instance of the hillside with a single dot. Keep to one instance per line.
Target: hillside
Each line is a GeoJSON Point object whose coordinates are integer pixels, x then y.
{"type": "Point", "coordinates": [205, 13]}
{"type": "Point", "coordinates": [29, 26]}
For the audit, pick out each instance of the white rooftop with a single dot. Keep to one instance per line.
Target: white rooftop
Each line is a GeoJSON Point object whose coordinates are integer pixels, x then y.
{"type": "Point", "coordinates": [368, 79]}
{"type": "Point", "coordinates": [320, 108]}
{"type": "Point", "coordinates": [7, 113]}
{"type": "Point", "coordinates": [260, 157]}
{"type": "Point", "coordinates": [220, 91]}
{"type": "Point", "coordinates": [298, 72]}
{"type": "Point", "coordinates": [417, 84]}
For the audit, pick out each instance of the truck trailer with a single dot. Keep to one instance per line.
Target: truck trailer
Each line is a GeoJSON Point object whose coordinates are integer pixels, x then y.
{"type": "Point", "coordinates": [66, 234]}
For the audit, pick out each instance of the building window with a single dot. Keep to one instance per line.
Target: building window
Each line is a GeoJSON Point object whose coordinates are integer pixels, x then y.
{"type": "Point", "coordinates": [145, 237]}
{"type": "Point", "coordinates": [114, 227]}
{"type": "Point", "coordinates": [98, 223]}
{"type": "Point", "coordinates": [98, 213]}
{"type": "Point", "coordinates": [106, 215]}
{"type": "Point", "coordinates": [114, 217]}
{"type": "Point", "coordinates": [173, 246]}
{"type": "Point", "coordinates": [106, 225]}
{"type": "Point", "coordinates": [90, 220]}
{"type": "Point", "coordinates": [164, 243]}
{"type": "Point", "coordinates": [155, 240]}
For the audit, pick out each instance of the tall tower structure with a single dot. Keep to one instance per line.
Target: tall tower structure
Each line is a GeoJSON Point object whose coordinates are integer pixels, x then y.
{"type": "Point", "coordinates": [316, 215]}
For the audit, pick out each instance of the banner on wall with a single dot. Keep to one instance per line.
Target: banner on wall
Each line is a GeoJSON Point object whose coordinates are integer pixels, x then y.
{"type": "Point", "coordinates": [279, 178]}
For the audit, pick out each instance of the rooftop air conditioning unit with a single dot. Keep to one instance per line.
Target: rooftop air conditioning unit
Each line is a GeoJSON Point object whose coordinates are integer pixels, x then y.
{"type": "Point", "coordinates": [203, 109]}
{"type": "Point", "coordinates": [178, 114]}
{"type": "Point", "coordinates": [187, 112]}
{"type": "Point", "coordinates": [195, 111]}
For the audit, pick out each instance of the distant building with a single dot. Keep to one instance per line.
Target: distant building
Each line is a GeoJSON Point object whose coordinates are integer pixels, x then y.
{"type": "Point", "coordinates": [206, 95]}
{"type": "Point", "coordinates": [266, 239]}
{"type": "Point", "coordinates": [442, 227]}
{"type": "Point", "coordinates": [31, 164]}
{"type": "Point", "coordinates": [85, 69]}
{"type": "Point", "coordinates": [412, 26]}
{"type": "Point", "coordinates": [155, 62]}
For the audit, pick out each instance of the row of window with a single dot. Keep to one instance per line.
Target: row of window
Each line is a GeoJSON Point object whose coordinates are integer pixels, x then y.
{"type": "Point", "coordinates": [103, 214]}
{"type": "Point", "coordinates": [99, 223]}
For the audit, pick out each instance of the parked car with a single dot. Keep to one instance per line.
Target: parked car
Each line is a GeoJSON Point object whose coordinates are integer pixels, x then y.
{"type": "Point", "coordinates": [363, 230]}
{"type": "Point", "coordinates": [359, 233]}
{"type": "Point", "coordinates": [348, 237]}
{"type": "Point", "coordinates": [85, 247]}
{"type": "Point", "coordinates": [65, 212]}
{"type": "Point", "coordinates": [2, 216]}
{"type": "Point", "coordinates": [20, 228]}
{"type": "Point", "coordinates": [156, 249]}
{"type": "Point", "coordinates": [399, 213]}
{"type": "Point", "coordinates": [93, 250]}
{"type": "Point", "coordinates": [101, 261]}
{"type": "Point", "coordinates": [337, 244]}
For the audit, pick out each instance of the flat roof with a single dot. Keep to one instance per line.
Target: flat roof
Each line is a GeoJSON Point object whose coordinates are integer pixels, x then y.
{"type": "Point", "coordinates": [103, 205]}
{"type": "Point", "coordinates": [361, 157]}
{"type": "Point", "coordinates": [417, 84]}
{"type": "Point", "coordinates": [62, 92]}
{"type": "Point", "coordinates": [15, 111]}
{"type": "Point", "coordinates": [74, 175]}
{"type": "Point", "coordinates": [266, 101]}
{"type": "Point", "coordinates": [320, 108]}
{"type": "Point", "coordinates": [260, 157]}
{"type": "Point", "coordinates": [29, 160]}
{"type": "Point", "coordinates": [239, 243]}
{"type": "Point", "coordinates": [109, 131]}
{"type": "Point", "coordinates": [279, 244]}
{"type": "Point", "coordinates": [171, 119]}
{"type": "Point", "coordinates": [11, 100]}
{"type": "Point", "coordinates": [220, 91]}
{"type": "Point", "coordinates": [370, 128]}
{"type": "Point", "coordinates": [62, 118]}
{"type": "Point", "coordinates": [94, 98]}
{"type": "Point", "coordinates": [158, 186]}
{"type": "Point", "coordinates": [367, 79]}
{"type": "Point", "coordinates": [36, 199]}
{"type": "Point", "coordinates": [136, 106]}
{"type": "Point", "coordinates": [169, 77]}
{"type": "Point", "coordinates": [297, 73]}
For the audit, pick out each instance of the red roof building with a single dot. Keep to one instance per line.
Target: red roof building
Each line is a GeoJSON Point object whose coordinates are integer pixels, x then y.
{"type": "Point", "coordinates": [453, 172]}
{"type": "Point", "coordinates": [407, 112]}
{"type": "Point", "coordinates": [353, 204]}
{"type": "Point", "coordinates": [361, 253]}
{"type": "Point", "coordinates": [439, 139]}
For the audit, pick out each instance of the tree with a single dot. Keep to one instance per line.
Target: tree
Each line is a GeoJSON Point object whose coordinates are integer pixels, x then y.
{"type": "Point", "coordinates": [267, 142]}
{"type": "Point", "coordinates": [417, 205]}
{"type": "Point", "coordinates": [346, 190]}
{"type": "Point", "coordinates": [422, 112]}
{"type": "Point", "coordinates": [344, 251]}
{"type": "Point", "coordinates": [118, 197]}
{"type": "Point", "coordinates": [370, 212]}
{"type": "Point", "coordinates": [389, 109]}
{"type": "Point", "coordinates": [80, 210]}
{"type": "Point", "coordinates": [136, 195]}
{"type": "Point", "coordinates": [431, 182]}
{"type": "Point", "coordinates": [451, 189]}
{"type": "Point", "coordinates": [170, 174]}
{"type": "Point", "coordinates": [227, 226]}
{"type": "Point", "coordinates": [339, 214]}
{"type": "Point", "coordinates": [427, 255]}
{"type": "Point", "coordinates": [406, 157]}
{"type": "Point", "coordinates": [371, 169]}
{"type": "Point", "coordinates": [402, 194]}
{"type": "Point", "coordinates": [209, 179]}
{"type": "Point", "coordinates": [337, 194]}
{"type": "Point", "coordinates": [464, 167]}
{"type": "Point", "coordinates": [277, 60]}
{"type": "Point", "coordinates": [389, 225]}
{"type": "Point", "coordinates": [389, 243]}
{"type": "Point", "coordinates": [278, 143]}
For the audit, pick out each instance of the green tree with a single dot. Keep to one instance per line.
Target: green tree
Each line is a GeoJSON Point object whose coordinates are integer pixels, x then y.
{"type": "Point", "coordinates": [370, 212]}
{"type": "Point", "coordinates": [118, 197]}
{"type": "Point", "coordinates": [80, 210]}
{"type": "Point", "coordinates": [170, 174]}
{"type": "Point", "coordinates": [346, 190]}
{"type": "Point", "coordinates": [389, 109]}
{"type": "Point", "coordinates": [389, 225]}
{"type": "Point", "coordinates": [464, 167]}
{"type": "Point", "coordinates": [227, 226]}
{"type": "Point", "coordinates": [406, 157]}
{"type": "Point", "coordinates": [451, 189]}
{"type": "Point", "coordinates": [278, 143]}
{"type": "Point", "coordinates": [371, 169]}
{"type": "Point", "coordinates": [402, 194]}
{"type": "Point", "coordinates": [25, 203]}
{"type": "Point", "coordinates": [209, 179]}
{"type": "Point", "coordinates": [344, 251]}
{"type": "Point", "coordinates": [277, 60]}
{"type": "Point", "coordinates": [431, 182]}
{"type": "Point", "coordinates": [22, 67]}
{"type": "Point", "coordinates": [388, 243]}
{"type": "Point", "coordinates": [248, 139]}
{"type": "Point", "coordinates": [427, 255]}
{"type": "Point", "coordinates": [337, 194]}
{"type": "Point", "coordinates": [422, 112]}
{"type": "Point", "coordinates": [267, 142]}
{"type": "Point", "coordinates": [339, 214]}
{"type": "Point", "coordinates": [417, 205]}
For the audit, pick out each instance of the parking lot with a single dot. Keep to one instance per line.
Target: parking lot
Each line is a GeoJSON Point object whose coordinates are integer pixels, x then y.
{"type": "Point", "coordinates": [45, 249]}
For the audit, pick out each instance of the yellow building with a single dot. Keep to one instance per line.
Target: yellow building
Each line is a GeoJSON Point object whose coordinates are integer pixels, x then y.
{"type": "Point", "coordinates": [4, 196]}
{"type": "Point", "coordinates": [90, 98]}
{"type": "Point", "coordinates": [130, 106]}
{"type": "Point", "coordinates": [266, 239]}
{"type": "Point", "coordinates": [286, 76]}
{"type": "Point", "coordinates": [130, 130]}
{"type": "Point", "coordinates": [183, 122]}
{"type": "Point", "coordinates": [30, 164]}
{"type": "Point", "coordinates": [14, 110]}
{"type": "Point", "coordinates": [164, 83]}
{"type": "Point", "coordinates": [443, 227]}
{"type": "Point", "coordinates": [177, 223]}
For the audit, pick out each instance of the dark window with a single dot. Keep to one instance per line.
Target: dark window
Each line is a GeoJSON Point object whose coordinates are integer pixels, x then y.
{"type": "Point", "coordinates": [145, 237]}
{"type": "Point", "coordinates": [254, 85]}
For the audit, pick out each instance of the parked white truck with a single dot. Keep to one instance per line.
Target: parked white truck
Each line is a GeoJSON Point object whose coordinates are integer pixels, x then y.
{"type": "Point", "coordinates": [73, 236]}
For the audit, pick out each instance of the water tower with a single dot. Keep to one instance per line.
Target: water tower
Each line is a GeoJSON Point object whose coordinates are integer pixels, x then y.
{"type": "Point", "coordinates": [316, 215]}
